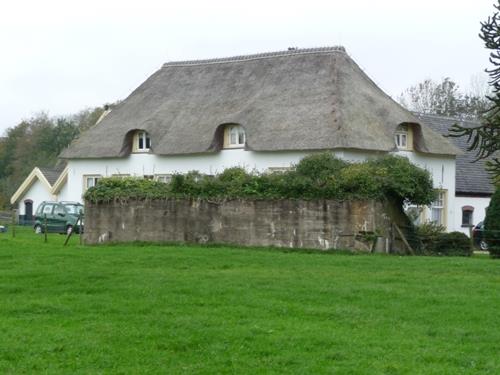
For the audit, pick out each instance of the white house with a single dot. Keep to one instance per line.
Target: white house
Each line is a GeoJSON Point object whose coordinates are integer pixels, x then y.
{"type": "Point", "coordinates": [42, 184]}
{"type": "Point", "coordinates": [262, 112]}
{"type": "Point", "coordinates": [473, 186]}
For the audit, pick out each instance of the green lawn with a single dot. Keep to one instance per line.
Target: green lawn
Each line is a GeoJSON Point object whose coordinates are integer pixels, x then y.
{"type": "Point", "coordinates": [218, 310]}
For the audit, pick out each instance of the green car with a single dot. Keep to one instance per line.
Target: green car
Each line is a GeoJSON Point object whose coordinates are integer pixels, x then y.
{"type": "Point", "coordinates": [60, 217]}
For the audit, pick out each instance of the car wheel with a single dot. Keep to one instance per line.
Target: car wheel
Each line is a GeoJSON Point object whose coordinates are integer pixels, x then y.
{"type": "Point", "coordinates": [483, 245]}
{"type": "Point", "coordinates": [38, 229]}
{"type": "Point", "coordinates": [69, 229]}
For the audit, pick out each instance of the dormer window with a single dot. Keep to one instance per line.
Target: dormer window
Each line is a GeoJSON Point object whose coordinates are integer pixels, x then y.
{"type": "Point", "coordinates": [234, 136]}
{"type": "Point", "coordinates": [403, 137]}
{"type": "Point", "coordinates": [142, 142]}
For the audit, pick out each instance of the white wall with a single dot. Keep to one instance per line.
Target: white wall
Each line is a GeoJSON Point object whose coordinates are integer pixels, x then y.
{"type": "Point", "coordinates": [63, 193]}
{"type": "Point", "coordinates": [480, 204]}
{"type": "Point", "coordinates": [442, 168]}
{"type": "Point", "coordinates": [38, 192]}
{"type": "Point", "coordinates": [149, 164]}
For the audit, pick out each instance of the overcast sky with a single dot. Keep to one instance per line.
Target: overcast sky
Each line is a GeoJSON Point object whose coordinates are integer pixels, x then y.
{"type": "Point", "coordinates": [63, 56]}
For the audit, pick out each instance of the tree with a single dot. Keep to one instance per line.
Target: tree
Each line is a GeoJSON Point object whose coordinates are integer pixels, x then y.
{"type": "Point", "coordinates": [486, 137]}
{"type": "Point", "coordinates": [492, 225]}
{"type": "Point", "coordinates": [443, 98]}
{"type": "Point", "coordinates": [37, 142]}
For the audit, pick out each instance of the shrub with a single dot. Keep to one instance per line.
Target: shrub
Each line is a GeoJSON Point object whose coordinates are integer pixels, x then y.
{"type": "Point", "coordinates": [430, 229]}
{"type": "Point", "coordinates": [428, 234]}
{"type": "Point", "coordinates": [320, 166]}
{"type": "Point", "coordinates": [492, 225]}
{"type": "Point", "coordinates": [360, 180]}
{"type": "Point", "coordinates": [436, 242]}
{"type": "Point", "coordinates": [403, 181]}
{"type": "Point", "coordinates": [318, 176]}
{"type": "Point", "coordinates": [117, 189]}
{"type": "Point", "coordinates": [452, 244]}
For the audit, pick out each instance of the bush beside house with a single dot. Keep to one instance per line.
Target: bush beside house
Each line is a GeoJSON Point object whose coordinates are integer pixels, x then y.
{"type": "Point", "coordinates": [318, 176]}
{"type": "Point", "coordinates": [492, 225]}
{"type": "Point", "coordinates": [435, 241]}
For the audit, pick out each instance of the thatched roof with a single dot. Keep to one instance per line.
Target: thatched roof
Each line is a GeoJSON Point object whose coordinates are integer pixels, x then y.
{"type": "Point", "coordinates": [472, 177]}
{"type": "Point", "coordinates": [309, 99]}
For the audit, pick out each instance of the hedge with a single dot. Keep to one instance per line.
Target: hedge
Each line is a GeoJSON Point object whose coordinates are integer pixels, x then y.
{"type": "Point", "coordinates": [318, 176]}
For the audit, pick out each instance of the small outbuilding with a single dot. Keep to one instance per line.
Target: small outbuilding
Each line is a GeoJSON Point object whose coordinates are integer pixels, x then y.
{"type": "Point", "coordinates": [42, 184]}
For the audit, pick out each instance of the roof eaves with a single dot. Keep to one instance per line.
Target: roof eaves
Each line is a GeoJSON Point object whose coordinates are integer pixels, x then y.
{"type": "Point", "coordinates": [63, 177]}
{"type": "Point", "coordinates": [28, 182]}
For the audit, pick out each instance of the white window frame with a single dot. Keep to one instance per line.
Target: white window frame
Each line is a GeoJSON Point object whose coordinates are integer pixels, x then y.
{"type": "Point", "coordinates": [165, 178]}
{"type": "Point", "coordinates": [439, 205]}
{"type": "Point", "coordinates": [143, 137]}
{"type": "Point", "coordinates": [234, 136]}
{"type": "Point", "coordinates": [402, 137]}
{"type": "Point", "coordinates": [92, 178]}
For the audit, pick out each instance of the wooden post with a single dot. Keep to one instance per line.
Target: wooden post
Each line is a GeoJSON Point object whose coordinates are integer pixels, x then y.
{"type": "Point", "coordinates": [404, 239]}
{"type": "Point", "coordinates": [70, 233]}
{"type": "Point", "coordinates": [471, 239]}
{"type": "Point", "coordinates": [13, 223]}
{"type": "Point", "coordinates": [80, 231]}
{"type": "Point", "coordinates": [45, 227]}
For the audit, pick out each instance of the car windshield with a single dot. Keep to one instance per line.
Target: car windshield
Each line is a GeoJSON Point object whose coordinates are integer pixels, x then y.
{"type": "Point", "coordinates": [74, 209]}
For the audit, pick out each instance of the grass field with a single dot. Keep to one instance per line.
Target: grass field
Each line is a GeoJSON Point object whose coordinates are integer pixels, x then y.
{"type": "Point", "coordinates": [130, 309]}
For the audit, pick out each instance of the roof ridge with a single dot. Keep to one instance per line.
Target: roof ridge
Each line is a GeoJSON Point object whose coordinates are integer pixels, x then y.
{"type": "Point", "coordinates": [472, 121]}
{"type": "Point", "coordinates": [257, 56]}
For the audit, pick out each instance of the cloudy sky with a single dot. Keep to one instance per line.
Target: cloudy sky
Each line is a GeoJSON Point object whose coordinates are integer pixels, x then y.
{"type": "Point", "coordinates": [63, 56]}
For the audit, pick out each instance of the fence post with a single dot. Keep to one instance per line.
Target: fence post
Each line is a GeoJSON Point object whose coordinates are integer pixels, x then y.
{"type": "Point", "coordinates": [470, 238]}
{"type": "Point", "coordinates": [81, 232]}
{"type": "Point", "coordinates": [13, 223]}
{"type": "Point", "coordinates": [403, 238]}
{"type": "Point", "coordinates": [45, 227]}
{"type": "Point", "coordinates": [70, 233]}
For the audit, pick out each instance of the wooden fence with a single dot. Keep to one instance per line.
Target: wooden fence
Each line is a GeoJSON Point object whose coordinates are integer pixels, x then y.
{"type": "Point", "coordinates": [5, 216]}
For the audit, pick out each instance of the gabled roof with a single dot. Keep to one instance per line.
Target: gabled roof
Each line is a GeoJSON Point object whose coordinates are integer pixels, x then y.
{"type": "Point", "coordinates": [471, 177]}
{"type": "Point", "coordinates": [306, 99]}
{"type": "Point", "coordinates": [51, 174]}
{"type": "Point", "coordinates": [47, 176]}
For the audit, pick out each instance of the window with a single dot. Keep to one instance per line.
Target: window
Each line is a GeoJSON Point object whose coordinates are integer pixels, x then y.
{"type": "Point", "coordinates": [467, 216]}
{"type": "Point", "coordinates": [73, 209]}
{"type": "Point", "coordinates": [438, 208]}
{"type": "Point", "coordinates": [47, 209]}
{"type": "Point", "coordinates": [90, 181]}
{"type": "Point", "coordinates": [59, 210]}
{"type": "Point", "coordinates": [403, 137]}
{"type": "Point", "coordinates": [165, 178]}
{"type": "Point", "coordinates": [234, 136]}
{"type": "Point", "coordinates": [142, 142]}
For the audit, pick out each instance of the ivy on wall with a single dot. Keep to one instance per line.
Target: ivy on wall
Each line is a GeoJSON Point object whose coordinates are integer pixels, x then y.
{"type": "Point", "coordinates": [318, 176]}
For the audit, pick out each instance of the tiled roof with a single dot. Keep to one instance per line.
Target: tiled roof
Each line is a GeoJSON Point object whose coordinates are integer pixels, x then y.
{"type": "Point", "coordinates": [471, 175]}
{"type": "Point", "coordinates": [52, 174]}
